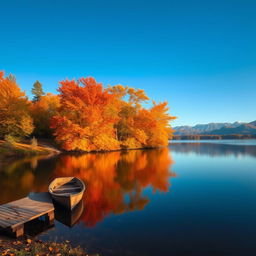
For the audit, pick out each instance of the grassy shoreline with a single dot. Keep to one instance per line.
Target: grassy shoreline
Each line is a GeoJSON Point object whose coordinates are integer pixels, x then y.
{"type": "Point", "coordinates": [45, 147]}
{"type": "Point", "coordinates": [25, 149]}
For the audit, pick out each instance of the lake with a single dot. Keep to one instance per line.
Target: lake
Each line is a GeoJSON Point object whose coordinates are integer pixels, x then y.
{"type": "Point", "coordinates": [192, 198]}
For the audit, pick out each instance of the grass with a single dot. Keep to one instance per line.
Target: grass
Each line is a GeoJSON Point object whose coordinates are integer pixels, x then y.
{"type": "Point", "coordinates": [25, 149]}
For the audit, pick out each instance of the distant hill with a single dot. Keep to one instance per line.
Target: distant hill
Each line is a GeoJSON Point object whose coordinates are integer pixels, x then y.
{"type": "Point", "coordinates": [203, 128]}
{"type": "Point", "coordinates": [249, 128]}
{"type": "Point", "coordinates": [217, 129]}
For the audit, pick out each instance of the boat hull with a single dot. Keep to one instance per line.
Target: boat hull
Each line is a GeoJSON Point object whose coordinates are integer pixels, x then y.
{"type": "Point", "coordinates": [68, 201]}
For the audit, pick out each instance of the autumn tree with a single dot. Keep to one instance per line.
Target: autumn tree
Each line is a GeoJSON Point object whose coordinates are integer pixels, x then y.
{"type": "Point", "coordinates": [86, 117]}
{"type": "Point", "coordinates": [14, 109]}
{"type": "Point", "coordinates": [42, 111]}
{"type": "Point", "coordinates": [154, 124]}
{"type": "Point", "coordinates": [37, 91]}
{"type": "Point", "coordinates": [93, 118]}
{"type": "Point", "coordinates": [129, 101]}
{"type": "Point", "coordinates": [137, 126]}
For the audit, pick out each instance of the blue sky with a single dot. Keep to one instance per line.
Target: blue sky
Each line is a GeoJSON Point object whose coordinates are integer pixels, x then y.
{"type": "Point", "coordinates": [200, 56]}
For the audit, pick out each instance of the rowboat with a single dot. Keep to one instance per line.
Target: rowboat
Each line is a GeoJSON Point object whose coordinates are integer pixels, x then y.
{"type": "Point", "coordinates": [67, 191]}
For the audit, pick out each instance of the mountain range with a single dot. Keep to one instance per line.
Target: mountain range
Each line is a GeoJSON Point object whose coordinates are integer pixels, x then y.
{"type": "Point", "coordinates": [217, 129]}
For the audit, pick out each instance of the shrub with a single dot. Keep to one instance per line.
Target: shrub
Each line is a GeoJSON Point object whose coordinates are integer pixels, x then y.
{"type": "Point", "coordinates": [9, 140]}
{"type": "Point", "coordinates": [34, 142]}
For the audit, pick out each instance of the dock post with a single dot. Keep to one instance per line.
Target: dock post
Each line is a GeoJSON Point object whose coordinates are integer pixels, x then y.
{"type": "Point", "coordinates": [50, 218]}
{"type": "Point", "coordinates": [18, 231]}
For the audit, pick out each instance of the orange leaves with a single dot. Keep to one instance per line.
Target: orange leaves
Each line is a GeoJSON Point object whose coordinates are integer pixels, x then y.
{"type": "Point", "coordinates": [82, 94]}
{"type": "Point", "coordinates": [69, 134]}
{"type": "Point", "coordinates": [86, 117]}
{"type": "Point", "coordinates": [94, 118]}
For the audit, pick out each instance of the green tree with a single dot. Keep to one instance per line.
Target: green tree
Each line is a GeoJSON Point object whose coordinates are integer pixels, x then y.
{"type": "Point", "coordinates": [37, 91]}
{"type": "Point", "coordinates": [12, 78]}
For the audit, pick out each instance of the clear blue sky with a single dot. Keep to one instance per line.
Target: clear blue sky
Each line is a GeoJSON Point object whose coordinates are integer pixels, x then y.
{"type": "Point", "coordinates": [200, 56]}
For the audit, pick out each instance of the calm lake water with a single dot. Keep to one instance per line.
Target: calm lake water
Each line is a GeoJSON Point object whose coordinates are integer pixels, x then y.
{"type": "Point", "coordinates": [192, 198]}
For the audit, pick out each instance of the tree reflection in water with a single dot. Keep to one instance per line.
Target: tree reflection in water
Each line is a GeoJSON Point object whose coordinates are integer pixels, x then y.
{"type": "Point", "coordinates": [115, 181]}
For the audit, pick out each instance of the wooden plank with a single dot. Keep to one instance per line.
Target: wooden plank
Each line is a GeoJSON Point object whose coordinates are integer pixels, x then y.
{"type": "Point", "coordinates": [7, 212]}
{"type": "Point", "coordinates": [32, 207]}
{"type": "Point", "coordinates": [11, 218]}
{"type": "Point", "coordinates": [23, 211]}
{"type": "Point", "coordinates": [6, 222]}
{"type": "Point", "coordinates": [16, 212]}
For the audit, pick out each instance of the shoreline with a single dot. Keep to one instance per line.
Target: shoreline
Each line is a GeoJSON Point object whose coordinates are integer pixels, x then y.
{"type": "Point", "coordinates": [30, 247]}
{"type": "Point", "coordinates": [47, 148]}
{"type": "Point", "coordinates": [25, 149]}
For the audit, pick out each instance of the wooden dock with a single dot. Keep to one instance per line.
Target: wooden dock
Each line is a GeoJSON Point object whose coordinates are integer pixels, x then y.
{"type": "Point", "coordinates": [15, 214]}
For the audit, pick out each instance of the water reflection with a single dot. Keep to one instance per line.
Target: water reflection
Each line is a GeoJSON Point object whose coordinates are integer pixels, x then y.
{"type": "Point", "coordinates": [214, 149]}
{"type": "Point", "coordinates": [19, 177]}
{"type": "Point", "coordinates": [210, 210]}
{"type": "Point", "coordinates": [115, 181]}
{"type": "Point", "coordinates": [68, 217]}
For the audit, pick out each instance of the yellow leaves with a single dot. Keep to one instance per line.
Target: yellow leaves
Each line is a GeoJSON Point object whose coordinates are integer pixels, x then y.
{"type": "Point", "coordinates": [131, 143]}
{"type": "Point", "coordinates": [26, 124]}
{"type": "Point", "coordinates": [29, 241]}
{"type": "Point", "coordinates": [118, 90]}
{"type": "Point", "coordinates": [104, 142]}
{"type": "Point", "coordinates": [141, 136]}
{"type": "Point", "coordinates": [137, 96]}
{"type": "Point", "coordinates": [14, 109]}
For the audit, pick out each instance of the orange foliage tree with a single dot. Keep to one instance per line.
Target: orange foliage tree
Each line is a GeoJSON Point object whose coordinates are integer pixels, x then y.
{"type": "Point", "coordinates": [137, 126]}
{"type": "Point", "coordinates": [14, 109]}
{"type": "Point", "coordinates": [93, 118]}
{"type": "Point", "coordinates": [42, 111]}
{"type": "Point", "coordinates": [86, 118]}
